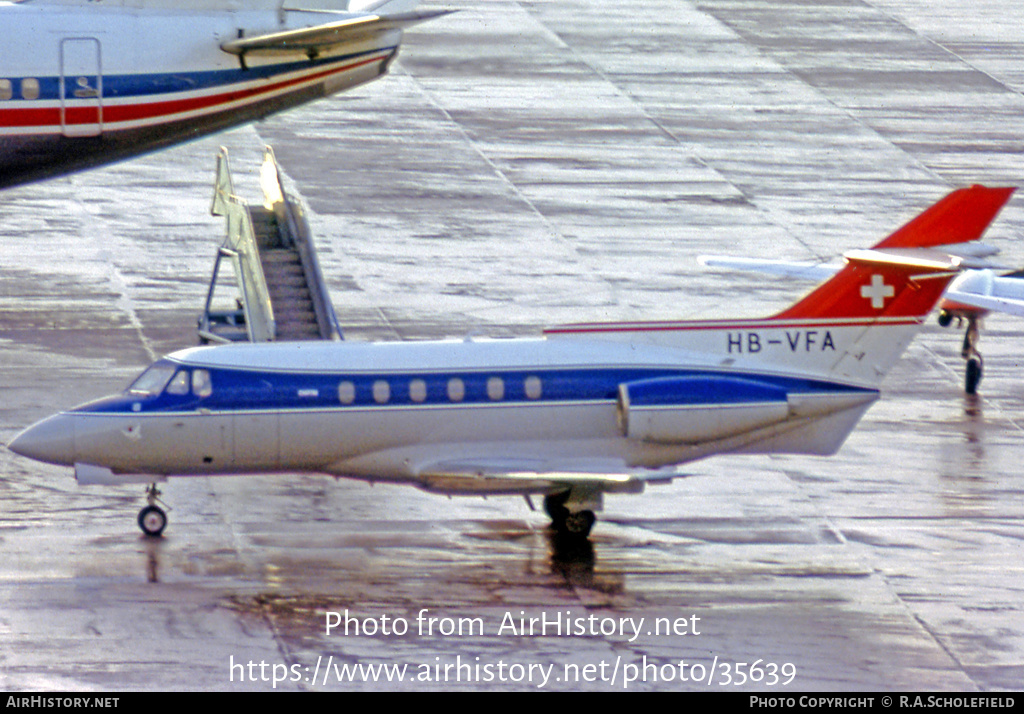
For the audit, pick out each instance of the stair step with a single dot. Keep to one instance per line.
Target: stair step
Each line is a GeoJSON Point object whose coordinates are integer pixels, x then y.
{"type": "Point", "coordinates": [294, 314]}
{"type": "Point", "coordinates": [280, 255]}
{"type": "Point", "coordinates": [297, 325]}
{"type": "Point", "coordinates": [282, 268]}
{"type": "Point", "coordinates": [287, 292]}
{"type": "Point", "coordinates": [297, 336]}
{"type": "Point", "coordinates": [265, 227]}
{"type": "Point", "coordinates": [284, 276]}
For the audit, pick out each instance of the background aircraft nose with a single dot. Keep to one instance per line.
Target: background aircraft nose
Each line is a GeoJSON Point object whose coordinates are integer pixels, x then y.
{"type": "Point", "coordinates": [51, 440]}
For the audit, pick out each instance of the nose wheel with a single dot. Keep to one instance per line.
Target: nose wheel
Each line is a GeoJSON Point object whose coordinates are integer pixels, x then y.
{"type": "Point", "coordinates": [572, 523]}
{"type": "Point", "coordinates": [578, 524]}
{"type": "Point", "coordinates": [152, 519]}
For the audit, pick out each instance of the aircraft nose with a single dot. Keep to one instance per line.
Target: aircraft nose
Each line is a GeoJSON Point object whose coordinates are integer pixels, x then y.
{"type": "Point", "coordinates": [52, 440]}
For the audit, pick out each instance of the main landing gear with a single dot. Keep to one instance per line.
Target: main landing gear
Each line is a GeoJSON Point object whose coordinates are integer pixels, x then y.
{"type": "Point", "coordinates": [152, 519]}
{"type": "Point", "coordinates": [576, 524]}
{"type": "Point", "coordinates": [974, 369]}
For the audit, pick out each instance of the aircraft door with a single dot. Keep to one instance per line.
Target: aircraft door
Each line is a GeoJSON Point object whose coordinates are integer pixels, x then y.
{"type": "Point", "coordinates": [81, 87]}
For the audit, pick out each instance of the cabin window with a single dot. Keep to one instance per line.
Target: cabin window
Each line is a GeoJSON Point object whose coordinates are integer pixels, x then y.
{"type": "Point", "coordinates": [381, 391]}
{"type": "Point", "coordinates": [495, 389]}
{"type": "Point", "coordinates": [532, 387]}
{"type": "Point", "coordinates": [151, 382]}
{"type": "Point", "coordinates": [456, 390]}
{"type": "Point", "coordinates": [180, 384]}
{"type": "Point", "coordinates": [346, 392]}
{"type": "Point", "coordinates": [201, 384]}
{"type": "Point", "coordinates": [30, 88]}
{"type": "Point", "coordinates": [6, 89]}
{"type": "Point", "coordinates": [418, 390]}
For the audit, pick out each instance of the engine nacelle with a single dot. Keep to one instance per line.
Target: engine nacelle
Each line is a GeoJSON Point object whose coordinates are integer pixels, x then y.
{"type": "Point", "coordinates": [690, 410]}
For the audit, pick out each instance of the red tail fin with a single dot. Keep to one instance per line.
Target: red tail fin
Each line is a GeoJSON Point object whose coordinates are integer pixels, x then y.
{"type": "Point", "coordinates": [960, 217]}
{"type": "Point", "coordinates": [887, 282]}
{"type": "Point", "coordinates": [873, 290]}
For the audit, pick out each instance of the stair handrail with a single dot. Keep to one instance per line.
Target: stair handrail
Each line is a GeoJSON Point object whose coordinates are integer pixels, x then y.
{"type": "Point", "coordinates": [240, 244]}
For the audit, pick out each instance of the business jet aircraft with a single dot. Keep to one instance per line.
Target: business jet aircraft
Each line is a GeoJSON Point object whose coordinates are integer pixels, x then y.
{"type": "Point", "coordinates": [978, 290]}
{"type": "Point", "coordinates": [583, 410]}
{"type": "Point", "coordinates": [86, 82]}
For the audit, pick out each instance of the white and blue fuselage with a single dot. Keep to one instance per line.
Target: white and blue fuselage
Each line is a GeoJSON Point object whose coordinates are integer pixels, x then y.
{"type": "Point", "coordinates": [473, 416]}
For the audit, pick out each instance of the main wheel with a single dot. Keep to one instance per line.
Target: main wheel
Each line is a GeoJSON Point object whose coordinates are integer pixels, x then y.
{"type": "Point", "coordinates": [152, 520]}
{"type": "Point", "coordinates": [579, 524]}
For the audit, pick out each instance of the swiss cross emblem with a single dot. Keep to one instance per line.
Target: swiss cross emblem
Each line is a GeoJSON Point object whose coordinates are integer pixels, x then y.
{"type": "Point", "coordinates": [877, 291]}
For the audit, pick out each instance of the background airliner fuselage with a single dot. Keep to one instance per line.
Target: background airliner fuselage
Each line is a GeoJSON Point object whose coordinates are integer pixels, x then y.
{"type": "Point", "coordinates": [86, 83]}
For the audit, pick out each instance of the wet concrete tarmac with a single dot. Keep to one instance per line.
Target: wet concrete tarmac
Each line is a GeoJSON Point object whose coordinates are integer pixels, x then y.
{"type": "Point", "coordinates": [529, 163]}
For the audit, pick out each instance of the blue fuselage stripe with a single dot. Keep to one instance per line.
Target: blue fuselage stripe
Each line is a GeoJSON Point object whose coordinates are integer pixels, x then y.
{"type": "Point", "coordinates": [120, 86]}
{"type": "Point", "coordinates": [246, 390]}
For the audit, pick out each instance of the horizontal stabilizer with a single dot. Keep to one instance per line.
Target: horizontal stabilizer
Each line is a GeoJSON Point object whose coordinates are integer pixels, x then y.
{"type": "Point", "coordinates": [973, 254]}
{"type": "Point", "coordinates": [1009, 306]}
{"type": "Point", "coordinates": [923, 259]}
{"type": "Point", "coordinates": [970, 256]}
{"type": "Point", "coordinates": [321, 37]}
{"type": "Point", "coordinates": [804, 270]}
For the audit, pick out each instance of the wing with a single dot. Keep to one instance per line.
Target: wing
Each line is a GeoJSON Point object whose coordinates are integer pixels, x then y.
{"type": "Point", "coordinates": [988, 302]}
{"type": "Point", "coordinates": [535, 475]}
{"type": "Point", "coordinates": [318, 38]}
{"type": "Point", "coordinates": [983, 289]}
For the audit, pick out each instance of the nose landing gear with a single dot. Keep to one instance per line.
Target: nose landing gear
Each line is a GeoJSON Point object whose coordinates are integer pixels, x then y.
{"type": "Point", "coordinates": [974, 368]}
{"type": "Point", "coordinates": [152, 519]}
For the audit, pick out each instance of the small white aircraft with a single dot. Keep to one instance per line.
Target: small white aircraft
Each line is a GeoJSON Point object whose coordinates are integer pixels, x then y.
{"type": "Point", "coordinates": [88, 82]}
{"type": "Point", "coordinates": [976, 291]}
{"type": "Point", "coordinates": [583, 410]}
{"type": "Point", "coordinates": [969, 298]}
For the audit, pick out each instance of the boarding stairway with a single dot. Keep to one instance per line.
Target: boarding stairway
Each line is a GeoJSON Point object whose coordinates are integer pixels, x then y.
{"type": "Point", "coordinates": [281, 294]}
